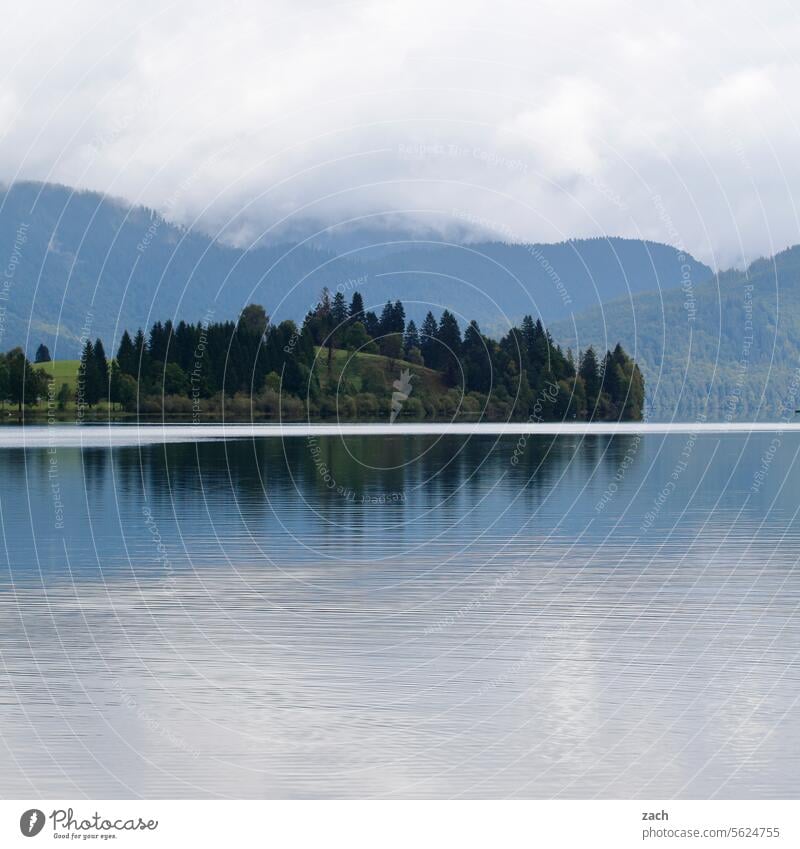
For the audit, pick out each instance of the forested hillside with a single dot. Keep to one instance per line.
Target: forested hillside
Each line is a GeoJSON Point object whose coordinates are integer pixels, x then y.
{"type": "Point", "coordinates": [80, 264]}
{"type": "Point", "coordinates": [727, 349]}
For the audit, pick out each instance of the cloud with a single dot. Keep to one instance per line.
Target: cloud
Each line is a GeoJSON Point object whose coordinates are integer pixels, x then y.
{"type": "Point", "coordinates": [544, 120]}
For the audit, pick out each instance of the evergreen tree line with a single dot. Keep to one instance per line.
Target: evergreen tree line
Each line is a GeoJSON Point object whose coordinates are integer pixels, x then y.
{"type": "Point", "coordinates": [523, 374]}
{"type": "Point", "coordinates": [525, 367]}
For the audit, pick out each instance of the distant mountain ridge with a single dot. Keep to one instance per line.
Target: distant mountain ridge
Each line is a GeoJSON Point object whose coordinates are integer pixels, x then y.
{"type": "Point", "coordinates": [78, 263]}
{"type": "Point", "coordinates": [727, 349]}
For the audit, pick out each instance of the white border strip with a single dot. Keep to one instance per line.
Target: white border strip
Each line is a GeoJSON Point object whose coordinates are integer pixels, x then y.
{"type": "Point", "coordinates": [36, 436]}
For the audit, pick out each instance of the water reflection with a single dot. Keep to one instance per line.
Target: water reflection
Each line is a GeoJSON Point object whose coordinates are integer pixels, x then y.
{"type": "Point", "coordinates": [407, 616]}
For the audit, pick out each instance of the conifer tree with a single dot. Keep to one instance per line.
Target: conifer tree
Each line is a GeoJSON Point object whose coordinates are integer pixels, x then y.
{"type": "Point", "coordinates": [372, 324]}
{"type": "Point", "coordinates": [387, 319]}
{"type": "Point", "coordinates": [356, 310]}
{"type": "Point", "coordinates": [142, 357]}
{"type": "Point", "coordinates": [101, 365]}
{"type": "Point", "coordinates": [398, 318]}
{"type": "Point", "coordinates": [127, 359]}
{"type": "Point", "coordinates": [339, 313]}
{"type": "Point", "coordinates": [88, 393]}
{"type": "Point", "coordinates": [449, 337]}
{"type": "Point", "coordinates": [476, 360]}
{"type": "Point", "coordinates": [411, 338]}
{"type": "Point", "coordinates": [590, 374]}
{"type": "Point", "coordinates": [428, 344]}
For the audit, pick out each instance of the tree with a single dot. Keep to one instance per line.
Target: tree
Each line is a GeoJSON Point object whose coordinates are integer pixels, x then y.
{"type": "Point", "coordinates": [141, 355]}
{"type": "Point", "coordinates": [254, 320]}
{"type": "Point", "coordinates": [392, 346]}
{"type": "Point", "coordinates": [411, 338]}
{"type": "Point", "coordinates": [614, 385]}
{"type": "Point", "coordinates": [356, 336]}
{"type": "Point", "coordinates": [449, 338]}
{"type": "Point", "coordinates": [127, 358]}
{"type": "Point", "coordinates": [157, 343]}
{"type": "Point", "coordinates": [43, 354]}
{"type": "Point", "coordinates": [126, 392]}
{"type": "Point", "coordinates": [88, 393]}
{"type": "Point", "coordinates": [114, 383]}
{"type": "Point", "coordinates": [175, 380]}
{"type": "Point", "coordinates": [392, 325]}
{"type": "Point", "coordinates": [25, 384]}
{"type": "Point", "coordinates": [624, 382]}
{"type": "Point", "coordinates": [529, 335]}
{"type": "Point", "coordinates": [4, 380]}
{"type": "Point", "coordinates": [398, 318]}
{"type": "Point", "coordinates": [102, 369]}
{"type": "Point", "coordinates": [356, 307]}
{"type": "Point", "coordinates": [590, 374]}
{"type": "Point", "coordinates": [64, 396]}
{"type": "Point", "coordinates": [428, 345]}
{"type": "Point", "coordinates": [372, 324]}
{"type": "Point", "coordinates": [414, 355]}
{"type": "Point", "coordinates": [339, 312]}
{"type": "Point", "coordinates": [539, 355]}
{"type": "Point", "coordinates": [387, 319]}
{"type": "Point", "coordinates": [476, 361]}
{"type": "Point", "coordinates": [634, 406]}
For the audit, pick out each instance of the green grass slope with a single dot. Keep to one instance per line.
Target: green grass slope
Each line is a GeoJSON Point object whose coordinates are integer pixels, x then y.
{"type": "Point", "coordinates": [60, 371]}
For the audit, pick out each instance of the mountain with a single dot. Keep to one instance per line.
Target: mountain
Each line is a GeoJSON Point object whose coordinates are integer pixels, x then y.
{"type": "Point", "coordinates": [727, 349]}
{"type": "Point", "coordinates": [77, 262]}
{"type": "Point", "coordinates": [498, 283]}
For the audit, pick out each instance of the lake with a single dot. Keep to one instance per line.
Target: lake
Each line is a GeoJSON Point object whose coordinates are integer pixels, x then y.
{"type": "Point", "coordinates": [405, 614]}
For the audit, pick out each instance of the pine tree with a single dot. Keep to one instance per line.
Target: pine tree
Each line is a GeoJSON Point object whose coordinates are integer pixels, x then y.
{"type": "Point", "coordinates": [449, 338]}
{"type": "Point", "coordinates": [528, 335]}
{"type": "Point", "coordinates": [356, 307]}
{"type": "Point", "coordinates": [615, 386]}
{"type": "Point", "coordinates": [449, 334]}
{"type": "Point", "coordinates": [142, 356]}
{"type": "Point", "coordinates": [157, 343]}
{"type": "Point", "coordinates": [411, 338]}
{"type": "Point", "coordinates": [539, 353]}
{"type": "Point", "coordinates": [140, 349]}
{"type": "Point", "coordinates": [387, 319]}
{"type": "Point", "coordinates": [590, 374]}
{"type": "Point", "coordinates": [43, 354]}
{"type": "Point", "coordinates": [169, 349]}
{"type": "Point", "coordinates": [427, 339]}
{"type": "Point", "coordinates": [101, 364]}
{"type": "Point", "coordinates": [398, 318]}
{"type": "Point", "coordinates": [126, 355]}
{"type": "Point", "coordinates": [634, 407]}
{"type": "Point", "coordinates": [476, 360]}
{"type": "Point", "coordinates": [339, 313]}
{"type": "Point", "coordinates": [372, 324]}
{"type": "Point", "coordinates": [88, 393]}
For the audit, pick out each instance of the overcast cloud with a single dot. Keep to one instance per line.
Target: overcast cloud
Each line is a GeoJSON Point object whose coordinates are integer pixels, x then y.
{"type": "Point", "coordinates": [537, 121]}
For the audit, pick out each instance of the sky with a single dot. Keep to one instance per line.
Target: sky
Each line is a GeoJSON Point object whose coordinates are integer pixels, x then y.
{"type": "Point", "coordinates": [519, 121]}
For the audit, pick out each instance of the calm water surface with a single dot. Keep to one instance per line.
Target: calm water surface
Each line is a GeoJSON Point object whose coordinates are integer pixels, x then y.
{"type": "Point", "coordinates": [426, 616]}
